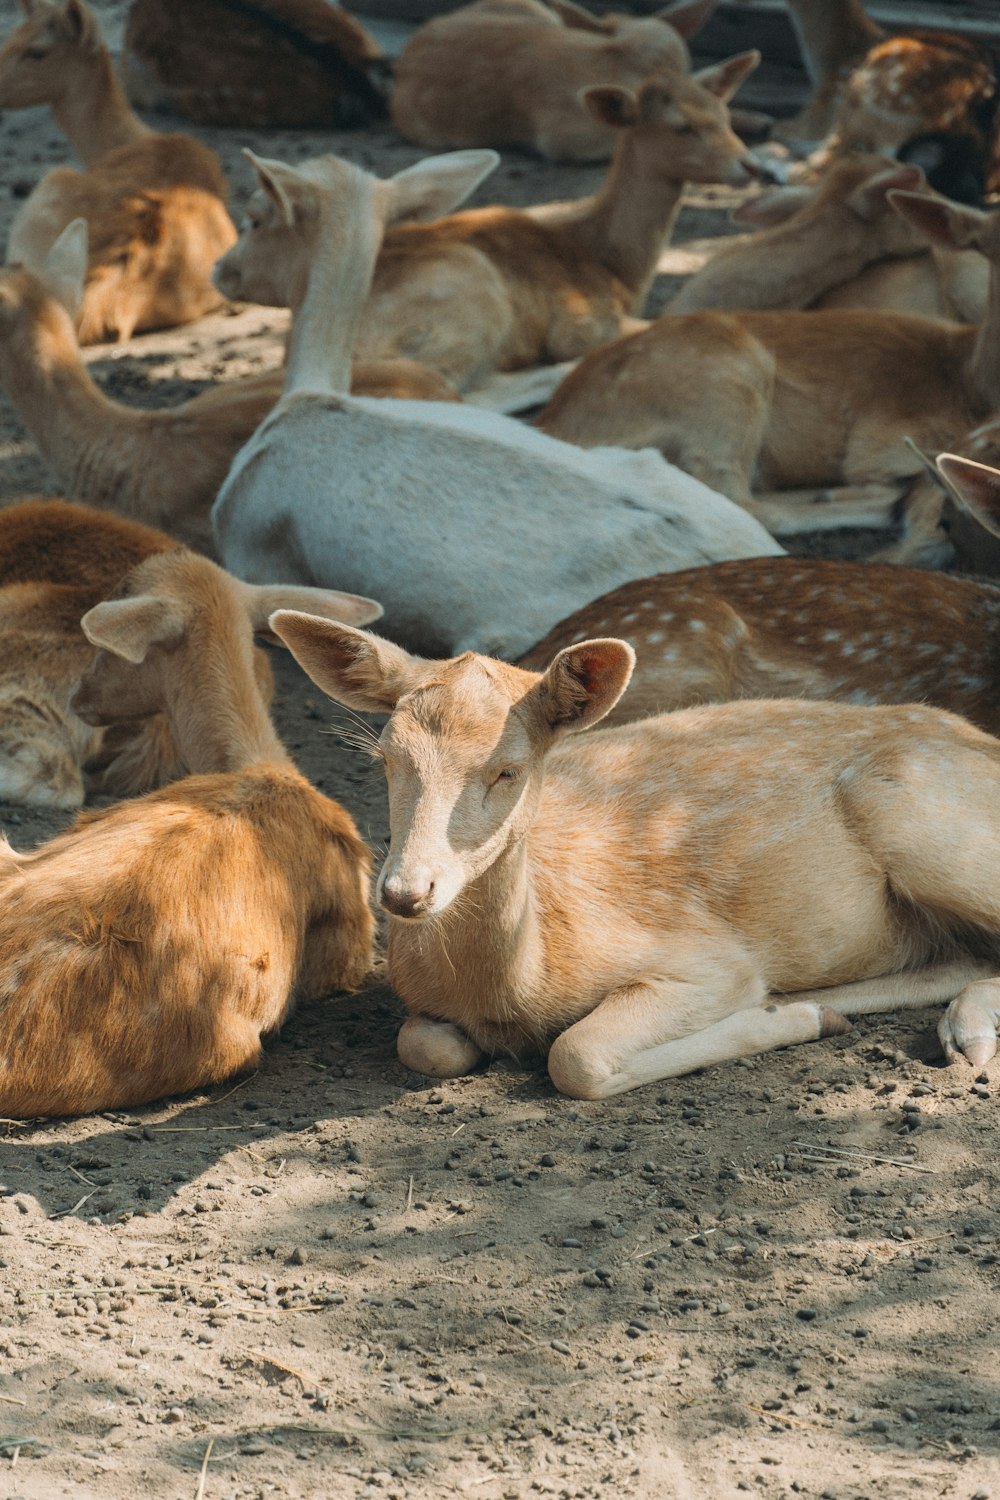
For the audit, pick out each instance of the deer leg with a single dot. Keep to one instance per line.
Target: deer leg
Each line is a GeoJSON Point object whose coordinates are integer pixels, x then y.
{"type": "Point", "coordinates": [788, 512]}
{"type": "Point", "coordinates": [968, 1027]}
{"type": "Point", "coordinates": [615, 1047]}
{"type": "Point", "coordinates": [437, 1048]}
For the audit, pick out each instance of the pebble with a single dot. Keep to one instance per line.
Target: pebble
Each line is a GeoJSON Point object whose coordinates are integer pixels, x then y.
{"type": "Point", "coordinates": [571, 1244]}
{"type": "Point", "coordinates": [560, 1347]}
{"type": "Point", "coordinates": [806, 1314]}
{"type": "Point", "coordinates": [299, 1256]}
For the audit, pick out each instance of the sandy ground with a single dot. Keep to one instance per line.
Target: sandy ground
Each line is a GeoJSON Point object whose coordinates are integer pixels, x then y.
{"type": "Point", "coordinates": [330, 1280]}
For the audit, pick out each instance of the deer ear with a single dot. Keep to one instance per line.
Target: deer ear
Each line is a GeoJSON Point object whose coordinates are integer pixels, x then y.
{"type": "Point", "coordinates": [773, 206]}
{"type": "Point", "coordinates": [579, 19]}
{"type": "Point", "coordinates": [65, 268]}
{"type": "Point", "coordinates": [129, 628]}
{"type": "Point", "coordinates": [583, 683]}
{"type": "Point", "coordinates": [438, 184]}
{"type": "Point", "coordinates": [352, 667]}
{"type": "Point", "coordinates": [975, 487]}
{"type": "Point", "coordinates": [950, 225]}
{"type": "Point", "coordinates": [724, 79]}
{"type": "Point", "coordinates": [278, 181]}
{"type": "Point", "coordinates": [611, 105]}
{"type": "Point", "coordinates": [688, 17]}
{"type": "Point", "coordinates": [262, 600]}
{"type": "Point", "coordinates": [871, 197]}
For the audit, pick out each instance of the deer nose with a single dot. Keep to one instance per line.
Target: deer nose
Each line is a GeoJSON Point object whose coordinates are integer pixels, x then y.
{"type": "Point", "coordinates": [404, 899]}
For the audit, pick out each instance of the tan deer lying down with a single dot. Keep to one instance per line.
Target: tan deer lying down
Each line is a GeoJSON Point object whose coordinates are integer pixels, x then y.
{"type": "Point", "coordinates": [147, 950]}
{"type": "Point", "coordinates": [839, 245]}
{"type": "Point", "coordinates": [844, 247]}
{"type": "Point", "coordinates": [262, 63]}
{"type": "Point", "coordinates": [156, 204]}
{"type": "Point", "coordinates": [524, 290]}
{"type": "Point", "coordinates": [669, 894]}
{"type": "Point", "coordinates": [510, 72]}
{"type": "Point", "coordinates": [803, 417]}
{"type": "Point", "coordinates": [501, 531]}
{"type": "Point", "coordinates": [162, 467]}
{"type": "Point", "coordinates": [798, 627]}
{"type": "Point", "coordinates": [56, 562]}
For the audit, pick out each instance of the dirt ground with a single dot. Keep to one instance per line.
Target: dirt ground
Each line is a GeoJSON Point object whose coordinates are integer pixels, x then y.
{"type": "Point", "coordinates": [331, 1280]}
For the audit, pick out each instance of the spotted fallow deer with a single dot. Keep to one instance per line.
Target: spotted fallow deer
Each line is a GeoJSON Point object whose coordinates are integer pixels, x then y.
{"type": "Point", "coordinates": [804, 417]}
{"type": "Point", "coordinates": [666, 895]}
{"type": "Point", "coordinates": [472, 529]}
{"type": "Point", "coordinates": [162, 467]}
{"type": "Point", "coordinates": [156, 204]}
{"type": "Point", "coordinates": [546, 285]}
{"type": "Point", "coordinates": [930, 96]}
{"type": "Point", "coordinates": [149, 949]}
{"type": "Point", "coordinates": [510, 73]}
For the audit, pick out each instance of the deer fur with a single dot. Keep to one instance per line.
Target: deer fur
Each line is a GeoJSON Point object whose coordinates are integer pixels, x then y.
{"type": "Point", "coordinates": [56, 562]}
{"type": "Point", "coordinates": [510, 73]}
{"type": "Point", "coordinates": [472, 529]}
{"type": "Point", "coordinates": [839, 245]}
{"type": "Point", "coordinates": [266, 64]}
{"type": "Point", "coordinates": [156, 204]}
{"type": "Point", "coordinates": [798, 627]}
{"type": "Point", "coordinates": [804, 417]}
{"type": "Point", "coordinates": [835, 37]}
{"type": "Point", "coordinates": [149, 949]}
{"type": "Point", "coordinates": [669, 894]}
{"type": "Point", "coordinates": [162, 467]}
{"type": "Point", "coordinates": [843, 247]}
{"type": "Point", "coordinates": [534, 289]}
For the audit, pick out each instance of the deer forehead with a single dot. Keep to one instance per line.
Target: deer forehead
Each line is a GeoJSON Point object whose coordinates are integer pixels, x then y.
{"type": "Point", "coordinates": [461, 724]}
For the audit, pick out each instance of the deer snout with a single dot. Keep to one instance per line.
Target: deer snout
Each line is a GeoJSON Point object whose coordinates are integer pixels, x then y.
{"type": "Point", "coordinates": [225, 277]}
{"type": "Point", "coordinates": [752, 169]}
{"type": "Point", "coordinates": [411, 897]}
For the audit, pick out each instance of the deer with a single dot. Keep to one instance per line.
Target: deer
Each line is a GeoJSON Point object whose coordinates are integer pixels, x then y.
{"type": "Point", "coordinates": [510, 73]}
{"type": "Point", "coordinates": [806, 418]}
{"type": "Point", "coordinates": [545, 285]}
{"type": "Point", "coordinates": [163, 467]}
{"type": "Point", "coordinates": [929, 97]}
{"type": "Point", "coordinates": [835, 37]}
{"type": "Point", "coordinates": [148, 949]}
{"type": "Point", "coordinates": [670, 894]}
{"type": "Point", "coordinates": [446, 511]}
{"type": "Point", "coordinates": [156, 204]}
{"type": "Point", "coordinates": [266, 64]}
{"type": "Point", "coordinates": [803, 627]}
{"type": "Point", "coordinates": [843, 246]}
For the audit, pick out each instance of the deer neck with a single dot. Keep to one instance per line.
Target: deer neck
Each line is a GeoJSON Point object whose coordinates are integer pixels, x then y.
{"type": "Point", "coordinates": [984, 366]}
{"type": "Point", "coordinates": [217, 714]}
{"type": "Point", "coordinates": [802, 262]}
{"type": "Point", "coordinates": [64, 411]}
{"type": "Point", "coordinates": [626, 225]}
{"type": "Point", "coordinates": [327, 315]}
{"type": "Point", "coordinates": [94, 113]}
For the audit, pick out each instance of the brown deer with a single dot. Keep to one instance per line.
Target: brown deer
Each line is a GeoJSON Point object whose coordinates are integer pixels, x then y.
{"type": "Point", "coordinates": [666, 895]}
{"type": "Point", "coordinates": [149, 949]}
{"type": "Point", "coordinates": [548, 284]}
{"type": "Point", "coordinates": [265, 64]}
{"type": "Point", "coordinates": [841, 246]}
{"type": "Point", "coordinates": [156, 204]}
{"type": "Point", "coordinates": [510, 73]}
{"type": "Point", "coordinates": [804, 417]}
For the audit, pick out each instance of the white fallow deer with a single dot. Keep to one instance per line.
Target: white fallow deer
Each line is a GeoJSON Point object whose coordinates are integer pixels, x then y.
{"type": "Point", "coordinates": [804, 417]}
{"type": "Point", "coordinates": [472, 530]}
{"type": "Point", "coordinates": [510, 73]}
{"type": "Point", "coordinates": [839, 245]}
{"type": "Point", "coordinates": [162, 467]}
{"type": "Point", "coordinates": [149, 949]}
{"type": "Point", "coordinates": [156, 204]}
{"type": "Point", "coordinates": [504, 288]}
{"type": "Point", "coordinates": [663, 896]}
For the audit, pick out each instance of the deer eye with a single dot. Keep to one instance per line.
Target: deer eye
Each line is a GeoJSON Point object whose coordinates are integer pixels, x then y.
{"type": "Point", "coordinates": [508, 774]}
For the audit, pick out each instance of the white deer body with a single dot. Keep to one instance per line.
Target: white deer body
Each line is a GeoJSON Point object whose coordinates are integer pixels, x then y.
{"type": "Point", "coordinates": [474, 531]}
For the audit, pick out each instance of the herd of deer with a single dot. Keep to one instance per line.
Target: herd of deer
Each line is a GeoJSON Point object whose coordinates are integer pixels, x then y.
{"type": "Point", "coordinates": [704, 876]}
